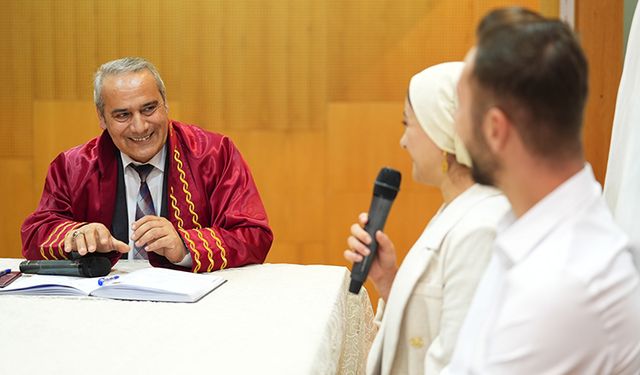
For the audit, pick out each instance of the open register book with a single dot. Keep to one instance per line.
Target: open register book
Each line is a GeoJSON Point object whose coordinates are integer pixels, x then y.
{"type": "Point", "coordinates": [148, 284]}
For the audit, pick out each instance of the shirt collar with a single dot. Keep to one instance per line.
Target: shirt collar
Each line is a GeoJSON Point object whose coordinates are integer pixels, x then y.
{"type": "Point", "coordinates": [157, 160]}
{"type": "Point", "coordinates": [516, 238]}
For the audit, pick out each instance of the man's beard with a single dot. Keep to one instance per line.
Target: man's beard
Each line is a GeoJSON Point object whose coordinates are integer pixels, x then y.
{"type": "Point", "coordinates": [484, 164]}
{"type": "Point", "coordinates": [481, 175]}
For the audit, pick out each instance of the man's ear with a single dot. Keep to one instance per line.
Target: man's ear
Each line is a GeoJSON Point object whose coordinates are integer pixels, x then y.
{"type": "Point", "coordinates": [496, 128]}
{"type": "Point", "coordinates": [103, 124]}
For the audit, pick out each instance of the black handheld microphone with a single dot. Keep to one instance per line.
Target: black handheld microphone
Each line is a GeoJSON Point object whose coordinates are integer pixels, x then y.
{"type": "Point", "coordinates": [83, 267]}
{"type": "Point", "coordinates": [385, 190]}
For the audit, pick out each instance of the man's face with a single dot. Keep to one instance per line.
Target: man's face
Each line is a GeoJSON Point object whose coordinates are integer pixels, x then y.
{"type": "Point", "coordinates": [134, 114]}
{"type": "Point", "coordinates": [469, 127]}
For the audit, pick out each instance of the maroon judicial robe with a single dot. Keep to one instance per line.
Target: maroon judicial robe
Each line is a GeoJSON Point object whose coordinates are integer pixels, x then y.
{"type": "Point", "coordinates": [211, 200]}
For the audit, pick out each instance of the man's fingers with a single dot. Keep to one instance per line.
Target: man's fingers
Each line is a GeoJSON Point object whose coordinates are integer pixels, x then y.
{"type": "Point", "coordinates": [159, 245]}
{"type": "Point", "coordinates": [142, 227]}
{"type": "Point", "coordinates": [159, 242]}
{"type": "Point", "coordinates": [136, 224]}
{"type": "Point", "coordinates": [152, 234]}
{"type": "Point", "coordinates": [119, 246]}
{"type": "Point", "coordinates": [103, 238]}
{"type": "Point", "coordinates": [90, 239]}
{"type": "Point", "coordinates": [81, 245]}
{"type": "Point", "coordinates": [68, 242]}
{"type": "Point", "coordinates": [144, 220]}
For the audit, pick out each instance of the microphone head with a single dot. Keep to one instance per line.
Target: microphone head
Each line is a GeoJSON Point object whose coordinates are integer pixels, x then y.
{"type": "Point", "coordinates": [387, 184]}
{"type": "Point", "coordinates": [94, 266]}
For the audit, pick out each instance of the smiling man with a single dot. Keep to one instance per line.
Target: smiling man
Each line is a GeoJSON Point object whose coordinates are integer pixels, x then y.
{"type": "Point", "coordinates": [148, 187]}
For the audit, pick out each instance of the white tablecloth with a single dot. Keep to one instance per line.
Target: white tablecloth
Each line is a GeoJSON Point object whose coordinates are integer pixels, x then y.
{"type": "Point", "coordinates": [267, 319]}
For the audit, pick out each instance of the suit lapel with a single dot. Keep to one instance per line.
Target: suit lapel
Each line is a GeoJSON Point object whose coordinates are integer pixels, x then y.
{"type": "Point", "coordinates": [164, 211]}
{"type": "Point", "coordinates": [413, 266]}
{"type": "Point", "coordinates": [108, 183]}
{"type": "Point", "coordinates": [120, 222]}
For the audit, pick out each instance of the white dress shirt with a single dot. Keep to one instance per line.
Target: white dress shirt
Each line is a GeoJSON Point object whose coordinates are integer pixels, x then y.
{"type": "Point", "coordinates": [155, 180]}
{"type": "Point", "coordinates": [623, 175]}
{"type": "Point", "coordinates": [560, 296]}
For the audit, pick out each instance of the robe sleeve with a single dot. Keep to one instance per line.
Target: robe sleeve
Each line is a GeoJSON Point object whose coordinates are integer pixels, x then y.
{"type": "Point", "coordinates": [43, 231]}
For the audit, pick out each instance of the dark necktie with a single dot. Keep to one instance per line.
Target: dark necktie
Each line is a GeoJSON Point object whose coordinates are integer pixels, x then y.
{"type": "Point", "coordinates": [144, 203]}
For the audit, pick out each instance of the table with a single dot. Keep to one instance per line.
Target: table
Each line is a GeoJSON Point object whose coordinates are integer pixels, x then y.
{"type": "Point", "coordinates": [267, 319]}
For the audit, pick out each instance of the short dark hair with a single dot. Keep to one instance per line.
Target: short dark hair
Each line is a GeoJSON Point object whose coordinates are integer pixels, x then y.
{"type": "Point", "coordinates": [535, 71]}
{"type": "Point", "coordinates": [506, 16]}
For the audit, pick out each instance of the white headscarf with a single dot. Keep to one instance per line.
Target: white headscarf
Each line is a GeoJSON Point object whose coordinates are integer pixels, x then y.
{"type": "Point", "coordinates": [432, 94]}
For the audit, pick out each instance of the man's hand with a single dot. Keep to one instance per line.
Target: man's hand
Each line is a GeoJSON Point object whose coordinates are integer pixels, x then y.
{"type": "Point", "coordinates": [383, 269]}
{"type": "Point", "coordinates": [91, 238]}
{"type": "Point", "coordinates": [158, 235]}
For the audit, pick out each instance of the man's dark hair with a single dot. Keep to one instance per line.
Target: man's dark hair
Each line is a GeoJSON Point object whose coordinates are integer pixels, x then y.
{"type": "Point", "coordinates": [535, 71]}
{"type": "Point", "coordinates": [506, 16]}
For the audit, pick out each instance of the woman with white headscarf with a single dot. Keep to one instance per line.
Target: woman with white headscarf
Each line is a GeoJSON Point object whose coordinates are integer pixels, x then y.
{"type": "Point", "coordinates": [424, 301]}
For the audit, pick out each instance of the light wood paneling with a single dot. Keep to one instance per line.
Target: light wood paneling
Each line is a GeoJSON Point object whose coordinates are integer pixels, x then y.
{"type": "Point", "coordinates": [58, 126]}
{"type": "Point", "coordinates": [16, 78]}
{"type": "Point", "coordinates": [289, 170]}
{"type": "Point", "coordinates": [64, 49]}
{"type": "Point", "coordinates": [310, 90]}
{"type": "Point", "coordinates": [86, 48]}
{"type": "Point", "coordinates": [599, 24]}
{"type": "Point", "coordinates": [44, 69]}
{"type": "Point", "coordinates": [18, 202]}
{"type": "Point", "coordinates": [362, 138]}
{"type": "Point", "coordinates": [550, 8]}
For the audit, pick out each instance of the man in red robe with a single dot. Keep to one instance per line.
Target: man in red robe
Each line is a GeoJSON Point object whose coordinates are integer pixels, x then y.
{"type": "Point", "coordinates": [204, 212]}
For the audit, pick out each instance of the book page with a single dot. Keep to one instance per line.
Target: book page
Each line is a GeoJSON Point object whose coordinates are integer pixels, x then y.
{"type": "Point", "coordinates": [160, 284]}
{"type": "Point", "coordinates": [51, 285]}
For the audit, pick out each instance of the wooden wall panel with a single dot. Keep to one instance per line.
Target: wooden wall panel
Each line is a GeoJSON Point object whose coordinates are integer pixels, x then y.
{"type": "Point", "coordinates": [17, 201]}
{"type": "Point", "coordinates": [382, 44]}
{"type": "Point", "coordinates": [289, 170]}
{"type": "Point", "coordinates": [205, 54]}
{"type": "Point", "coordinates": [107, 22]}
{"type": "Point", "coordinates": [86, 48]}
{"type": "Point", "coordinates": [64, 49]}
{"type": "Point", "coordinates": [362, 138]}
{"type": "Point", "coordinates": [602, 43]}
{"type": "Point", "coordinates": [311, 91]}
{"type": "Point", "coordinates": [58, 126]}
{"type": "Point", "coordinates": [44, 73]}
{"type": "Point", "coordinates": [15, 140]}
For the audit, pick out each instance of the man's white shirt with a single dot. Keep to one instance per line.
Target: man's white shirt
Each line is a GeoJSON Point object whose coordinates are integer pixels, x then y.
{"type": "Point", "coordinates": [155, 180]}
{"type": "Point", "coordinates": [560, 295]}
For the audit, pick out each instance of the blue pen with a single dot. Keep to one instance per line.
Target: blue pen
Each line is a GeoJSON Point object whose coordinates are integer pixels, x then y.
{"type": "Point", "coordinates": [8, 270]}
{"type": "Point", "coordinates": [103, 280]}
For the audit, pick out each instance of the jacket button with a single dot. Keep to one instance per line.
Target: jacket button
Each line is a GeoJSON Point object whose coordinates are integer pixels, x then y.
{"type": "Point", "coordinates": [416, 342]}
